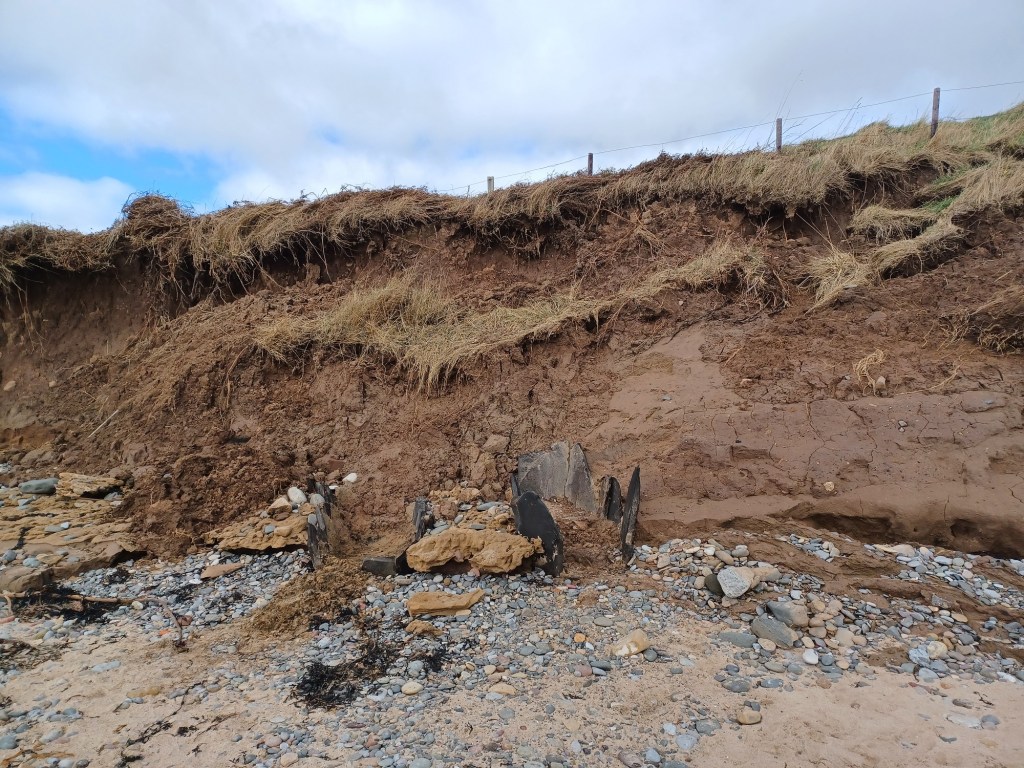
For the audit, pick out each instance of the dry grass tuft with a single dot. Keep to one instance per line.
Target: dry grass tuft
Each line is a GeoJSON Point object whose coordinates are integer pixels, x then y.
{"type": "Point", "coordinates": [998, 324]}
{"type": "Point", "coordinates": [427, 333]}
{"type": "Point", "coordinates": [888, 224]}
{"type": "Point", "coordinates": [941, 238]}
{"type": "Point", "coordinates": [863, 368]}
{"type": "Point", "coordinates": [835, 273]}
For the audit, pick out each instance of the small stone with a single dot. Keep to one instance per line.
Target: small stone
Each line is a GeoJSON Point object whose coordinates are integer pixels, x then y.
{"type": "Point", "coordinates": [810, 657]}
{"type": "Point", "coordinates": [288, 758]}
{"type": "Point", "coordinates": [652, 756]}
{"type": "Point", "coordinates": [503, 689]}
{"type": "Point", "coordinates": [412, 687]}
{"type": "Point", "coordinates": [766, 627]}
{"type": "Point", "coordinates": [748, 716]}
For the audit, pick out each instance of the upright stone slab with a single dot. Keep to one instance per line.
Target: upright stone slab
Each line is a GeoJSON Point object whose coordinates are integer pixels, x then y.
{"type": "Point", "coordinates": [579, 483]}
{"type": "Point", "coordinates": [420, 518]}
{"type": "Point", "coordinates": [514, 483]}
{"type": "Point", "coordinates": [611, 505]}
{"type": "Point", "coordinates": [533, 520]}
{"type": "Point", "coordinates": [629, 514]}
{"type": "Point", "coordinates": [318, 524]}
{"type": "Point", "coordinates": [545, 472]}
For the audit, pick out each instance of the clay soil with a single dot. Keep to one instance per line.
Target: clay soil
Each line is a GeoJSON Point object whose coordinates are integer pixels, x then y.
{"type": "Point", "coordinates": [739, 414]}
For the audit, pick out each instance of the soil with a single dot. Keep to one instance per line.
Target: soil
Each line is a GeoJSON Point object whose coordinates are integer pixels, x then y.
{"type": "Point", "coordinates": [739, 416]}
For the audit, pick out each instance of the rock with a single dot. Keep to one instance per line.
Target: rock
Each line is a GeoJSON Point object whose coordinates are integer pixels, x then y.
{"type": "Point", "coordinates": [86, 486]}
{"type": "Point", "coordinates": [441, 603]}
{"type": "Point", "coordinates": [412, 687]}
{"type": "Point", "coordinates": [288, 758]}
{"type": "Point", "coordinates": [965, 720]}
{"type": "Point", "coordinates": [249, 535]}
{"type": "Point", "coordinates": [420, 518]}
{"type": "Point", "coordinates": [774, 630]}
{"type": "Point", "coordinates": [43, 487]}
{"type": "Point", "coordinates": [218, 570]}
{"type": "Point", "coordinates": [748, 716]}
{"type": "Point", "coordinates": [789, 613]}
{"type": "Point", "coordinates": [630, 511]}
{"type": "Point", "coordinates": [503, 689]}
{"type": "Point", "coordinates": [630, 760]}
{"type": "Point", "coordinates": [900, 550]}
{"type": "Point", "coordinates": [544, 472]}
{"type": "Point", "coordinates": [489, 551]}
{"type": "Point", "coordinates": [419, 627]}
{"type": "Point", "coordinates": [735, 582]}
{"type": "Point", "coordinates": [19, 578]}
{"type": "Point", "coordinates": [633, 643]}
{"type": "Point", "coordinates": [281, 504]}
{"type": "Point", "coordinates": [533, 520]}
{"type": "Point", "coordinates": [844, 637]}
{"type": "Point", "coordinates": [611, 505]}
{"type": "Point", "coordinates": [380, 566]}
{"type": "Point", "coordinates": [712, 585]}
{"type": "Point", "coordinates": [579, 484]}
{"type": "Point", "coordinates": [652, 756]}
{"type": "Point", "coordinates": [350, 478]}
{"type": "Point", "coordinates": [296, 495]}
{"type": "Point", "coordinates": [740, 639]}
{"type": "Point", "coordinates": [936, 649]}
{"type": "Point", "coordinates": [810, 656]}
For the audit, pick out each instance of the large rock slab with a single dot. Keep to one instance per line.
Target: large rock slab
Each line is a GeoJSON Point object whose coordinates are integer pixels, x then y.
{"type": "Point", "coordinates": [489, 551]}
{"type": "Point", "coordinates": [533, 520]}
{"type": "Point", "coordinates": [627, 530]}
{"type": "Point", "coordinates": [545, 472]}
{"type": "Point", "coordinates": [579, 483]}
{"type": "Point", "coordinates": [441, 603]}
{"type": "Point", "coordinates": [261, 534]}
{"type": "Point", "coordinates": [87, 486]}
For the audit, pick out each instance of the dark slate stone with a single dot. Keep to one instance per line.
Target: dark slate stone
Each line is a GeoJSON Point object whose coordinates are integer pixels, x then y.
{"type": "Point", "coordinates": [711, 585]}
{"type": "Point", "coordinates": [44, 487]}
{"type": "Point", "coordinates": [533, 520]}
{"type": "Point", "coordinates": [579, 483]}
{"type": "Point", "coordinates": [611, 506]}
{"type": "Point", "coordinates": [381, 566]}
{"type": "Point", "coordinates": [545, 472]}
{"type": "Point", "coordinates": [420, 518]}
{"type": "Point", "coordinates": [629, 514]}
{"type": "Point", "coordinates": [514, 482]}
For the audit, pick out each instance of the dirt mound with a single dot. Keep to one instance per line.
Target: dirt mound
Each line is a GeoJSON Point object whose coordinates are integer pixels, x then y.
{"type": "Point", "coordinates": [830, 334]}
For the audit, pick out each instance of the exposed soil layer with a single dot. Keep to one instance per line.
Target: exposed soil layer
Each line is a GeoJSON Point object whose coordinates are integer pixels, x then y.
{"type": "Point", "coordinates": [735, 407]}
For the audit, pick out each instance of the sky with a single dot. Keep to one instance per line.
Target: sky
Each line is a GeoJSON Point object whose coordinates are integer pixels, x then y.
{"type": "Point", "coordinates": [217, 102]}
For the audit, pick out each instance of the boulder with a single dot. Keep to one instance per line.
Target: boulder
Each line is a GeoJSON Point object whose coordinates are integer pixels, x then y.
{"type": "Point", "coordinates": [789, 613]}
{"type": "Point", "coordinates": [442, 603]}
{"type": "Point", "coordinates": [20, 578]}
{"type": "Point", "coordinates": [768, 628]}
{"type": "Point", "coordinates": [43, 487]}
{"type": "Point", "coordinates": [490, 551]}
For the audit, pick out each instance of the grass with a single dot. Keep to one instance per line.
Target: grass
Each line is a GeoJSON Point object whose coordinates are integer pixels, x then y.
{"type": "Point", "coordinates": [887, 224]}
{"type": "Point", "coordinates": [425, 331]}
{"type": "Point", "coordinates": [835, 273]}
{"type": "Point", "coordinates": [235, 243]}
{"type": "Point", "coordinates": [997, 324]}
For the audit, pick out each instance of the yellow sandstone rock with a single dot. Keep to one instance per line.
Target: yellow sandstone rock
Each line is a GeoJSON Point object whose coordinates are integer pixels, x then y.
{"type": "Point", "coordinates": [441, 603]}
{"type": "Point", "coordinates": [490, 551]}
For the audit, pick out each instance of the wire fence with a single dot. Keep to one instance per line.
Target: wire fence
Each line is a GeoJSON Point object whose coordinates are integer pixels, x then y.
{"type": "Point", "coordinates": [795, 122]}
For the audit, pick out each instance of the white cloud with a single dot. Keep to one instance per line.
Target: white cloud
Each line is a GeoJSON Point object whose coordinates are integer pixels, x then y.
{"type": "Point", "coordinates": [44, 198]}
{"type": "Point", "coordinates": [285, 95]}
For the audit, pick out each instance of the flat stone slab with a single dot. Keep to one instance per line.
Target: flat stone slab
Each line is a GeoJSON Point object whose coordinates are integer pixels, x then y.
{"type": "Point", "coordinates": [545, 472]}
{"type": "Point", "coordinates": [611, 505]}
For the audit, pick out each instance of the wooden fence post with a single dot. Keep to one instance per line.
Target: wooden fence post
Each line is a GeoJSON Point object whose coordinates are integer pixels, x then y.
{"type": "Point", "coordinates": [590, 163]}
{"type": "Point", "coordinates": [778, 134]}
{"type": "Point", "coordinates": [935, 111]}
{"type": "Point", "coordinates": [490, 184]}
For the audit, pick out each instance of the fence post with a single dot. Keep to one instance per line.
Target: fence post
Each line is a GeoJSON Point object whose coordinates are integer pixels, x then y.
{"type": "Point", "coordinates": [778, 134]}
{"type": "Point", "coordinates": [490, 184]}
{"type": "Point", "coordinates": [590, 163]}
{"type": "Point", "coordinates": [935, 111]}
